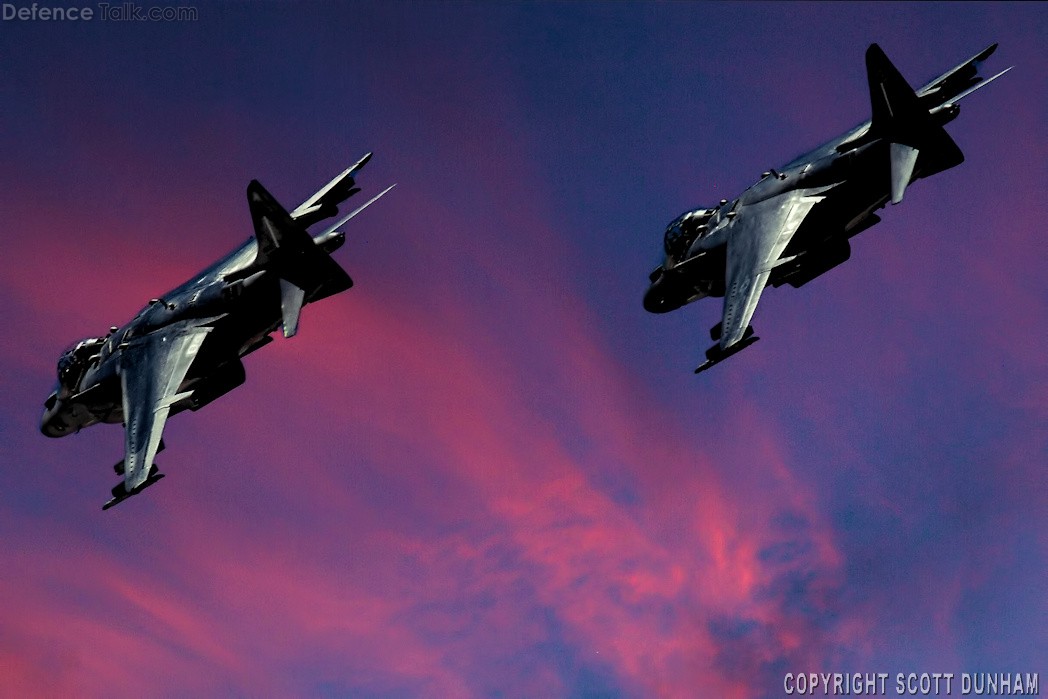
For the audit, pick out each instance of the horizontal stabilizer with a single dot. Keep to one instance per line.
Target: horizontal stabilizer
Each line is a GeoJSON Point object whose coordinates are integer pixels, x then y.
{"type": "Point", "coordinates": [325, 202]}
{"type": "Point", "coordinates": [957, 82]}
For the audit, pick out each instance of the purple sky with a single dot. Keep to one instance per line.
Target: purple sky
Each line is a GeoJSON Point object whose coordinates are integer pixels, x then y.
{"type": "Point", "coordinates": [485, 470]}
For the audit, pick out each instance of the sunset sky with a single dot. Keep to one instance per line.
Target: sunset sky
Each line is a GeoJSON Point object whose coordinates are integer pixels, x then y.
{"type": "Point", "coordinates": [486, 471]}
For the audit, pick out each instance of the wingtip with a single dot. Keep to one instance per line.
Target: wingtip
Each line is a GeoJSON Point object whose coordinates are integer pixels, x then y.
{"type": "Point", "coordinates": [358, 165]}
{"type": "Point", "coordinates": [987, 52]}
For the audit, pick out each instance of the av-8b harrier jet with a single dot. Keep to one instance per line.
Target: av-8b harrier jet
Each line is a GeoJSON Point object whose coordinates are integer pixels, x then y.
{"type": "Point", "coordinates": [794, 224]}
{"type": "Point", "coordinates": [183, 350]}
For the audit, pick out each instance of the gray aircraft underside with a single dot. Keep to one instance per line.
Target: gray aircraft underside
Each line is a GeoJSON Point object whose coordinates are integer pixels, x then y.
{"type": "Point", "coordinates": [184, 349]}
{"type": "Point", "coordinates": [795, 223]}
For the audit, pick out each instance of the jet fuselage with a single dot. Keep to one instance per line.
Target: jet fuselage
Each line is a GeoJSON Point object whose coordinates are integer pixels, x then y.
{"type": "Point", "coordinates": [859, 187]}
{"type": "Point", "coordinates": [795, 223]}
{"type": "Point", "coordinates": [244, 299]}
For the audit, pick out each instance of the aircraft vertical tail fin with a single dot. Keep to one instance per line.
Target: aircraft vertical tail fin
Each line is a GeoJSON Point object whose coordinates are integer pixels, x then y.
{"type": "Point", "coordinates": [894, 103]}
{"type": "Point", "coordinates": [306, 272]}
{"type": "Point", "coordinates": [918, 146]}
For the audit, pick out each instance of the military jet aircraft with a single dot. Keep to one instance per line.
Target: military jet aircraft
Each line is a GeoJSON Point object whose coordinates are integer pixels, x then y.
{"type": "Point", "coordinates": [184, 349]}
{"type": "Point", "coordinates": [794, 224]}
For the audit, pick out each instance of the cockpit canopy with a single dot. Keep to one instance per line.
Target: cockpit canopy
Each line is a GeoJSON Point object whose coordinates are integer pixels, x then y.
{"type": "Point", "coordinates": [684, 230]}
{"type": "Point", "coordinates": [74, 361]}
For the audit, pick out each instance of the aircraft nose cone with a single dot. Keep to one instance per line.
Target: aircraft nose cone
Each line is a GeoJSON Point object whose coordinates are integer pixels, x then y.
{"type": "Point", "coordinates": [51, 425]}
{"type": "Point", "coordinates": [652, 300]}
{"type": "Point", "coordinates": [655, 298]}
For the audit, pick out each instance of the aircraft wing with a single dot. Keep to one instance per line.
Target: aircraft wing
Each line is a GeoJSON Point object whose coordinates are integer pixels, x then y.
{"type": "Point", "coordinates": [758, 236]}
{"type": "Point", "coordinates": [152, 368]}
{"type": "Point", "coordinates": [957, 82]}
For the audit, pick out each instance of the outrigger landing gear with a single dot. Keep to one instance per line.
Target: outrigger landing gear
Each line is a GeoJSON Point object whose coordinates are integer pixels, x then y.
{"type": "Point", "coordinates": [120, 494]}
{"type": "Point", "coordinates": [715, 355]}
